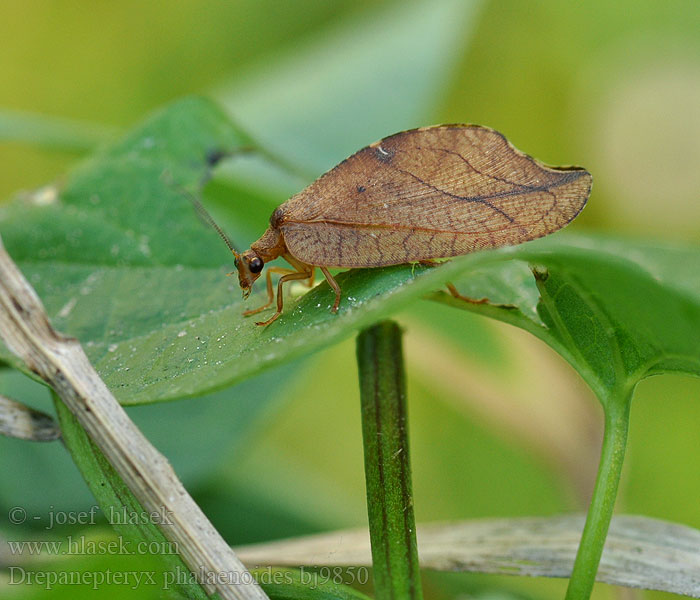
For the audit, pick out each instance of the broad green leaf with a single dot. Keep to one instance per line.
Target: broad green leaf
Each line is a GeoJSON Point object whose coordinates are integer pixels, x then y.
{"type": "Point", "coordinates": [117, 254]}
{"type": "Point", "coordinates": [617, 310]}
{"type": "Point", "coordinates": [122, 262]}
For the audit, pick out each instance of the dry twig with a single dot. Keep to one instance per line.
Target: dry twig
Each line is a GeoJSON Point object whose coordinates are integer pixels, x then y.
{"type": "Point", "coordinates": [20, 421]}
{"type": "Point", "coordinates": [61, 362]}
{"type": "Point", "coordinates": [639, 552]}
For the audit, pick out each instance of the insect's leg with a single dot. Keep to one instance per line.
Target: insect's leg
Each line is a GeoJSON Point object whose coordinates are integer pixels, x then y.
{"type": "Point", "coordinates": [300, 266]}
{"type": "Point", "coordinates": [270, 293]}
{"type": "Point", "coordinates": [310, 282]}
{"type": "Point", "coordinates": [453, 290]}
{"type": "Point", "coordinates": [450, 286]}
{"type": "Point", "coordinates": [280, 298]}
{"type": "Point", "coordinates": [334, 284]}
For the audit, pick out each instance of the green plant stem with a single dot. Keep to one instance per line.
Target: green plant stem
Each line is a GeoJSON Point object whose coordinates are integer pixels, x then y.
{"type": "Point", "coordinates": [603, 501]}
{"type": "Point", "coordinates": [387, 466]}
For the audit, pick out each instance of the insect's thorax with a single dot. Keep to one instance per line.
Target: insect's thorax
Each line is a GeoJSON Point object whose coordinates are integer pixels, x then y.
{"type": "Point", "coordinates": [270, 245]}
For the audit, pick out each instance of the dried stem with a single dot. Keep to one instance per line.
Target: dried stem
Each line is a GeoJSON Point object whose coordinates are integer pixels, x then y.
{"type": "Point", "coordinates": [20, 421]}
{"type": "Point", "coordinates": [641, 552]}
{"type": "Point", "coordinates": [61, 362]}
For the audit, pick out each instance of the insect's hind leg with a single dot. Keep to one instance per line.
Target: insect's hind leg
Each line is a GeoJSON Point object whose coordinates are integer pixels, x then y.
{"type": "Point", "coordinates": [455, 293]}
{"type": "Point", "coordinates": [336, 288]}
{"type": "Point", "coordinates": [312, 278]}
{"type": "Point", "coordinates": [451, 287]}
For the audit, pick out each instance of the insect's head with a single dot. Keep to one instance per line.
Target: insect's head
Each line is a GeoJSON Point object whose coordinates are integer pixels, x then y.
{"type": "Point", "coordinates": [249, 266]}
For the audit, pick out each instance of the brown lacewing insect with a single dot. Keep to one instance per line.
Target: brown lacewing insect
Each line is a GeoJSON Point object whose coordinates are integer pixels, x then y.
{"type": "Point", "coordinates": [418, 195]}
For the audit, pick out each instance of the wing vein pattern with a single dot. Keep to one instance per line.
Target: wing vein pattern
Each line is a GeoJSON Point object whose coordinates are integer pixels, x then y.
{"type": "Point", "coordinates": [429, 193]}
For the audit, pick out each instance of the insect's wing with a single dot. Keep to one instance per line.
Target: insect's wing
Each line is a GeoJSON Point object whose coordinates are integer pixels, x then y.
{"type": "Point", "coordinates": [429, 193]}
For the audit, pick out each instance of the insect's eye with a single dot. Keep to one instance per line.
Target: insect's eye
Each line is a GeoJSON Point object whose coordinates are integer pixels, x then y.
{"type": "Point", "coordinates": [255, 265]}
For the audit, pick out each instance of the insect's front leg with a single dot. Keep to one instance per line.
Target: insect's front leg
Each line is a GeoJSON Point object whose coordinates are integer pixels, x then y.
{"type": "Point", "coordinates": [270, 293]}
{"type": "Point", "coordinates": [290, 276]}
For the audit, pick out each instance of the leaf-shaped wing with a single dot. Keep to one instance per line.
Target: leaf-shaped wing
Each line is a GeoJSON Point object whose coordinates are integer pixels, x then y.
{"type": "Point", "coordinates": [429, 193]}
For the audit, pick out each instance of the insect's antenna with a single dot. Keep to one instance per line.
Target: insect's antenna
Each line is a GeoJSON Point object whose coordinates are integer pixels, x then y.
{"type": "Point", "coordinates": [204, 215]}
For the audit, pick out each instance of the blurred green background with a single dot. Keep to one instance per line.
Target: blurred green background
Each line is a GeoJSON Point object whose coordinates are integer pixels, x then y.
{"type": "Point", "coordinates": [500, 425]}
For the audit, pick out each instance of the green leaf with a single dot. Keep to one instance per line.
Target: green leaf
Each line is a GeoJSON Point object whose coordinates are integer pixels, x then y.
{"type": "Point", "coordinates": [617, 310]}
{"type": "Point", "coordinates": [122, 262]}
{"type": "Point", "coordinates": [117, 255]}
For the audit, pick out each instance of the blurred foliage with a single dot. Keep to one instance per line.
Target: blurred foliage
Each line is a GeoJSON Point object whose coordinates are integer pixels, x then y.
{"type": "Point", "coordinates": [612, 86]}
